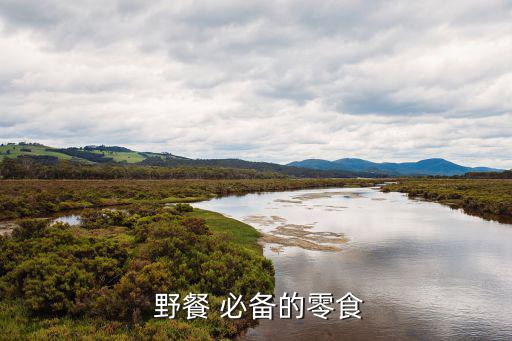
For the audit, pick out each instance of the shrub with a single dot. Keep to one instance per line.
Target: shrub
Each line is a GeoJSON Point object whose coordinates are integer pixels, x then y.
{"type": "Point", "coordinates": [80, 273]}
{"type": "Point", "coordinates": [29, 228]}
{"type": "Point", "coordinates": [95, 219]}
{"type": "Point", "coordinates": [182, 208]}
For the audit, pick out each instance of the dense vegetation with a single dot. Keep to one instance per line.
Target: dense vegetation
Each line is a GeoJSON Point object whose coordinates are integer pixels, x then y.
{"type": "Point", "coordinates": [489, 175]}
{"type": "Point", "coordinates": [487, 198]}
{"type": "Point", "coordinates": [104, 148]}
{"type": "Point", "coordinates": [49, 167]}
{"type": "Point", "coordinates": [99, 280]}
{"type": "Point", "coordinates": [299, 172]}
{"type": "Point", "coordinates": [35, 198]}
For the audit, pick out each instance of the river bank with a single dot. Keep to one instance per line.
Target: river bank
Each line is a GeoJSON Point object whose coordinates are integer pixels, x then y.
{"type": "Point", "coordinates": [490, 199]}
{"type": "Point", "coordinates": [424, 271]}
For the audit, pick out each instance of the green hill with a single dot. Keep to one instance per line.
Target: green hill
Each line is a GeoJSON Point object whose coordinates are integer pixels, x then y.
{"type": "Point", "coordinates": [87, 154]}
{"type": "Point", "coordinates": [14, 150]}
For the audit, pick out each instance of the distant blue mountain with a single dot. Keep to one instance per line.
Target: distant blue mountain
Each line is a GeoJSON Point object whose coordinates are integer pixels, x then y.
{"type": "Point", "coordinates": [423, 167]}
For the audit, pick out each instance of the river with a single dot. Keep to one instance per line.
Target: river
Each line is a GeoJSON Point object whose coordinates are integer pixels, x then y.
{"type": "Point", "coordinates": [424, 271]}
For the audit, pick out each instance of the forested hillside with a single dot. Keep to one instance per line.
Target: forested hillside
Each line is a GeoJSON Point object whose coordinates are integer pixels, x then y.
{"type": "Point", "coordinates": [36, 161]}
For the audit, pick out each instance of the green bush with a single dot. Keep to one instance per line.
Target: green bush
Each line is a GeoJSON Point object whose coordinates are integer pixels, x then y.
{"type": "Point", "coordinates": [181, 208]}
{"type": "Point", "coordinates": [110, 268]}
{"type": "Point", "coordinates": [95, 219]}
{"type": "Point", "coordinates": [29, 228]}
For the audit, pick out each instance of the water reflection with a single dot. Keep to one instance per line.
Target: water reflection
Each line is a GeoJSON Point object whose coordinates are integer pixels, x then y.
{"type": "Point", "coordinates": [71, 219]}
{"type": "Point", "coordinates": [424, 270]}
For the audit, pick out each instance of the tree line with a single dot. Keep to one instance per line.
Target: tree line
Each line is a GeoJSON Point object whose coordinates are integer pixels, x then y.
{"type": "Point", "coordinates": [48, 167]}
{"type": "Point", "coordinates": [489, 175]}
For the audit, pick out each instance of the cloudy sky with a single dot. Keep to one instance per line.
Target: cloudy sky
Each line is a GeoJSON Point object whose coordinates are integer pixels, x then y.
{"type": "Point", "coordinates": [262, 80]}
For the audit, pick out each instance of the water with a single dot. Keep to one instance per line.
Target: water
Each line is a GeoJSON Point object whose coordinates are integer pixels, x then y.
{"type": "Point", "coordinates": [424, 271]}
{"type": "Point", "coordinates": [71, 219]}
{"type": "Point", "coordinates": [6, 226]}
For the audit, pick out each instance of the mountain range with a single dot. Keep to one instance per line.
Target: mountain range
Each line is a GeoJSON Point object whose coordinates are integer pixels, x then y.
{"type": "Point", "coordinates": [347, 167]}
{"type": "Point", "coordinates": [435, 166]}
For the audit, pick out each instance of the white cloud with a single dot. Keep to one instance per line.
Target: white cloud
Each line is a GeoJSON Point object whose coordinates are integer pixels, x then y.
{"type": "Point", "coordinates": [265, 80]}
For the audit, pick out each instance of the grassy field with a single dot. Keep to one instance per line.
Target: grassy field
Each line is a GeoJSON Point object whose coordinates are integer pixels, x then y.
{"type": "Point", "coordinates": [490, 199]}
{"type": "Point", "coordinates": [236, 231]}
{"type": "Point", "coordinates": [203, 245]}
{"type": "Point", "coordinates": [14, 151]}
{"type": "Point", "coordinates": [129, 157]}
{"type": "Point", "coordinates": [17, 324]}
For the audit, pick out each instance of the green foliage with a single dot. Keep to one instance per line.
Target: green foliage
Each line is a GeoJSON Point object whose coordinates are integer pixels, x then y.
{"type": "Point", "coordinates": [99, 167]}
{"type": "Point", "coordinates": [52, 267]}
{"type": "Point", "coordinates": [63, 275]}
{"type": "Point", "coordinates": [230, 229]}
{"type": "Point", "coordinates": [195, 225]}
{"type": "Point", "coordinates": [182, 208]}
{"type": "Point", "coordinates": [490, 199]}
{"type": "Point", "coordinates": [507, 174]}
{"type": "Point", "coordinates": [18, 325]}
{"type": "Point", "coordinates": [95, 219]}
{"type": "Point", "coordinates": [30, 228]}
{"type": "Point", "coordinates": [262, 167]}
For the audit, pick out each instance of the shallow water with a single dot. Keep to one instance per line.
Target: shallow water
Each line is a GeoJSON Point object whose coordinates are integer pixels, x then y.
{"type": "Point", "coordinates": [6, 226]}
{"type": "Point", "coordinates": [71, 217]}
{"type": "Point", "coordinates": [424, 271]}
